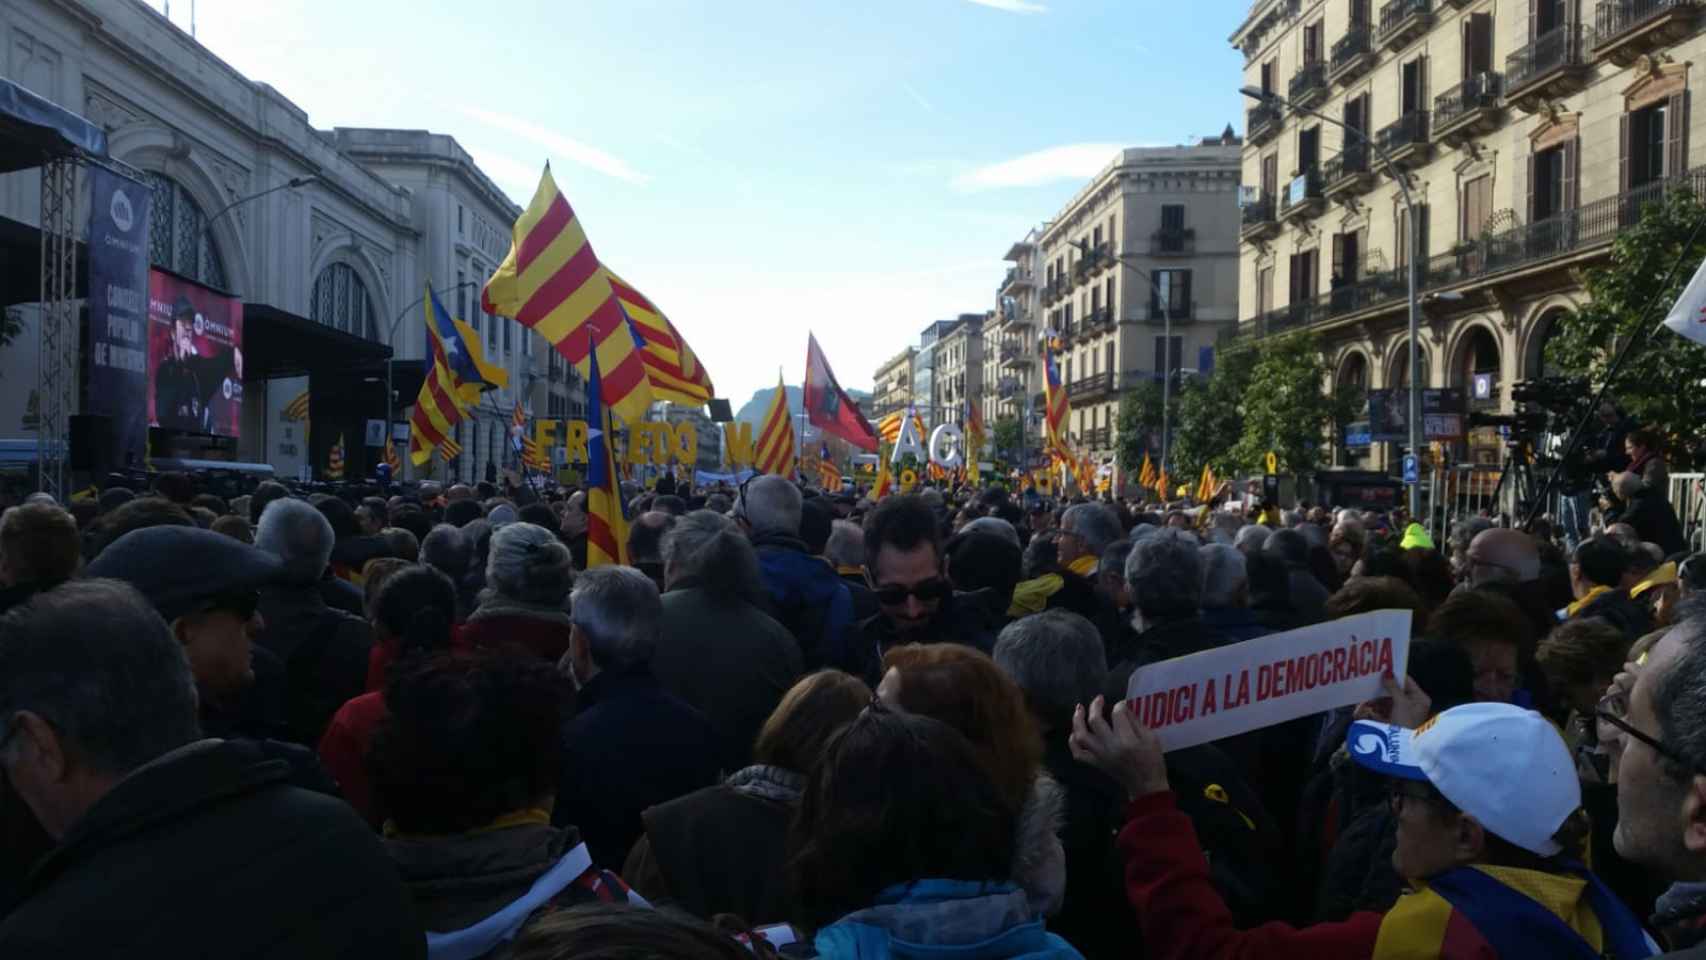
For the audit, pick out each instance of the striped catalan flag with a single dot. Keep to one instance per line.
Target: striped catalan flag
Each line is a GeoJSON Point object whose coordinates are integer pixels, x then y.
{"type": "Point", "coordinates": [1058, 409]}
{"type": "Point", "coordinates": [553, 283]}
{"type": "Point", "coordinates": [606, 519]}
{"type": "Point", "coordinates": [885, 476]}
{"type": "Point", "coordinates": [449, 450]}
{"type": "Point", "coordinates": [453, 383]}
{"type": "Point", "coordinates": [775, 450]}
{"type": "Point", "coordinates": [671, 365]}
{"type": "Point", "coordinates": [335, 460]}
{"type": "Point", "coordinates": [393, 461]}
{"type": "Point", "coordinates": [888, 428]}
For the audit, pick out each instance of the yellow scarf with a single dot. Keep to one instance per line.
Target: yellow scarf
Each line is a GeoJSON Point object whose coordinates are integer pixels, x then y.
{"type": "Point", "coordinates": [1031, 596]}
{"type": "Point", "coordinates": [1579, 605]}
{"type": "Point", "coordinates": [1083, 565]}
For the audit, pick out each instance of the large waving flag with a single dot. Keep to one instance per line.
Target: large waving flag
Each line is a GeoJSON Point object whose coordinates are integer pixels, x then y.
{"type": "Point", "coordinates": [1687, 316]}
{"type": "Point", "coordinates": [1057, 407]}
{"type": "Point", "coordinates": [974, 442]}
{"type": "Point", "coordinates": [671, 365]}
{"type": "Point", "coordinates": [453, 383]}
{"type": "Point", "coordinates": [606, 519]}
{"type": "Point", "coordinates": [888, 428]}
{"type": "Point", "coordinates": [775, 450]}
{"type": "Point", "coordinates": [1146, 475]}
{"type": "Point", "coordinates": [553, 282]}
{"type": "Point", "coordinates": [828, 407]}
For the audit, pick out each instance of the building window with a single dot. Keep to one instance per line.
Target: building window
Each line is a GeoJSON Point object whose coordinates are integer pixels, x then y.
{"type": "Point", "coordinates": [1646, 153]}
{"type": "Point", "coordinates": [1477, 207]}
{"type": "Point", "coordinates": [492, 334]}
{"type": "Point", "coordinates": [1402, 240]}
{"type": "Point", "coordinates": [461, 296]}
{"type": "Point", "coordinates": [506, 323]}
{"type": "Point", "coordinates": [340, 301]}
{"type": "Point", "coordinates": [1548, 194]}
{"type": "Point", "coordinates": [178, 239]}
{"type": "Point", "coordinates": [1171, 295]}
{"type": "Point", "coordinates": [1161, 353]}
{"type": "Point", "coordinates": [459, 219]}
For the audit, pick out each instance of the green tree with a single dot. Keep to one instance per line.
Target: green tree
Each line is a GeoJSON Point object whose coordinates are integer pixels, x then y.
{"type": "Point", "coordinates": [1138, 419]}
{"type": "Point", "coordinates": [1004, 433]}
{"type": "Point", "coordinates": [1653, 382]}
{"type": "Point", "coordinates": [1208, 416]}
{"type": "Point", "coordinates": [1287, 408]}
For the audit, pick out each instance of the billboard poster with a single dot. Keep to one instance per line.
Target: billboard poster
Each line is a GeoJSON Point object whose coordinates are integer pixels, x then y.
{"type": "Point", "coordinates": [195, 357]}
{"type": "Point", "coordinates": [287, 425]}
{"type": "Point", "coordinates": [118, 310]}
{"type": "Point", "coordinates": [1389, 410]}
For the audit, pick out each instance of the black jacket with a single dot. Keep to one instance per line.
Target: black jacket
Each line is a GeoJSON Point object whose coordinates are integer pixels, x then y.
{"type": "Point", "coordinates": [716, 850]}
{"type": "Point", "coordinates": [630, 745]}
{"type": "Point", "coordinates": [727, 659]}
{"type": "Point", "coordinates": [208, 852]}
{"type": "Point", "coordinates": [1158, 642]}
{"type": "Point", "coordinates": [1615, 608]}
{"type": "Point", "coordinates": [324, 652]}
{"type": "Point", "coordinates": [962, 618]}
{"type": "Point", "coordinates": [1654, 520]}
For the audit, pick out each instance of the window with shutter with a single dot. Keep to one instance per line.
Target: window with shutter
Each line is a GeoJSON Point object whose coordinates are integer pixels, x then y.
{"type": "Point", "coordinates": [1676, 135]}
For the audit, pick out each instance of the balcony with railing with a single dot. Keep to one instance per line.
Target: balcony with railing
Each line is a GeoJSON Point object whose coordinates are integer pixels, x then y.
{"type": "Point", "coordinates": [1405, 138]}
{"type": "Point", "coordinates": [1348, 174]}
{"type": "Point", "coordinates": [1308, 85]}
{"type": "Point", "coordinates": [1353, 54]}
{"type": "Point", "coordinates": [1157, 314]}
{"type": "Point", "coordinates": [1552, 66]}
{"type": "Point", "coordinates": [1577, 233]}
{"type": "Point", "coordinates": [1016, 280]}
{"type": "Point", "coordinates": [1012, 354]}
{"type": "Point", "coordinates": [1099, 438]}
{"type": "Point", "coordinates": [1625, 29]}
{"type": "Point", "coordinates": [1258, 219]}
{"type": "Point", "coordinates": [1261, 123]}
{"type": "Point", "coordinates": [1470, 109]}
{"type": "Point", "coordinates": [1402, 21]}
{"type": "Point", "coordinates": [1303, 196]}
{"type": "Point", "coordinates": [1100, 320]}
{"type": "Point", "coordinates": [1173, 243]}
{"type": "Point", "coordinates": [1093, 386]}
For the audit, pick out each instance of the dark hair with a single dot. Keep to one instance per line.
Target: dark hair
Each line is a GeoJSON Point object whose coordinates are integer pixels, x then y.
{"type": "Point", "coordinates": [94, 659]}
{"type": "Point", "coordinates": [485, 490]}
{"type": "Point", "coordinates": [1442, 669]}
{"type": "Point", "coordinates": [813, 709]}
{"type": "Point", "coordinates": [1429, 572]}
{"type": "Point", "coordinates": [902, 522]}
{"type": "Point", "coordinates": [897, 797]}
{"type": "Point", "coordinates": [963, 688]}
{"type": "Point", "coordinates": [176, 487]}
{"type": "Point", "coordinates": [141, 513]}
{"type": "Point", "coordinates": [1644, 437]}
{"type": "Point", "coordinates": [1042, 555]}
{"type": "Point", "coordinates": [39, 542]}
{"type": "Point", "coordinates": [609, 931]}
{"type": "Point", "coordinates": [671, 504]}
{"type": "Point", "coordinates": [265, 493]}
{"type": "Point", "coordinates": [459, 512]}
{"type": "Point", "coordinates": [339, 515]}
{"type": "Point", "coordinates": [378, 507]}
{"type": "Point", "coordinates": [414, 520]}
{"type": "Point", "coordinates": [468, 739]}
{"type": "Point", "coordinates": [1367, 594]}
{"type": "Point", "coordinates": [1582, 650]}
{"type": "Point", "coordinates": [817, 519]}
{"type": "Point", "coordinates": [539, 515]}
{"type": "Point", "coordinates": [212, 502]}
{"type": "Point", "coordinates": [1602, 560]}
{"type": "Point", "coordinates": [418, 607]}
{"type": "Point", "coordinates": [114, 497]}
{"type": "Point", "coordinates": [1482, 616]}
{"type": "Point", "coordinates": [977, 560]}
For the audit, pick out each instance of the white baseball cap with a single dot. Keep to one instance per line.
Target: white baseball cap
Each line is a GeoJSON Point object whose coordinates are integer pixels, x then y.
{"type": "Point", "coordinates": [1505, 766]}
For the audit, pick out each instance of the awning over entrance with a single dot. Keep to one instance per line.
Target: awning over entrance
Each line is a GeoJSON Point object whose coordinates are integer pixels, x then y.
{"type": "Point", "coordinates": [278, 343]}
{"type": "Point", "coordinates": [34, 129]}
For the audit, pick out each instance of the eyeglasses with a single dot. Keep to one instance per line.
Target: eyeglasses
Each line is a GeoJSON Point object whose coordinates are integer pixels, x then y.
{"type": "Point", "coordinates": [927, 591]}
{"type": "Point", "coordinates": [241, 604]}
{"type": "Point", "coordinates": [1614, 710]}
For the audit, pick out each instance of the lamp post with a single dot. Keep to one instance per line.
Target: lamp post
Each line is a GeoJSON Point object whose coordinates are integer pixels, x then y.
{"type": "Point", "coordinates": [1411, 270]}
{"type": "Point", "coordinates": [292, 183]}
{"type": "Point", "coordinates": [391, 341]}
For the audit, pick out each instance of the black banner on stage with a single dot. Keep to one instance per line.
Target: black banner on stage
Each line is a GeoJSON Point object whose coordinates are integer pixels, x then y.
{"type": "Point", "coordinates": [118, 311]}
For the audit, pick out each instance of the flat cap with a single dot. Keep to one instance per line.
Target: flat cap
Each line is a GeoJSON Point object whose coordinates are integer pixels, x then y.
{"type": "Point", "coordinates": [177, 568]}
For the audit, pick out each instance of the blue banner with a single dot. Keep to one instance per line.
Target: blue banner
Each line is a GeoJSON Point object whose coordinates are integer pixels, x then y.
{"type": "Point", "coordinates": [118, 312]}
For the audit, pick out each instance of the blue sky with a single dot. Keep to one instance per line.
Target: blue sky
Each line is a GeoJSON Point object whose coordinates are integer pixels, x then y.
{"type": "Point", "coordinates": [760, 167]}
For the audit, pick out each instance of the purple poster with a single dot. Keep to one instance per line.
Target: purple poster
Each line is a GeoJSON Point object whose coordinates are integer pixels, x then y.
{"type": "Point", "coordinates": [118, 311]}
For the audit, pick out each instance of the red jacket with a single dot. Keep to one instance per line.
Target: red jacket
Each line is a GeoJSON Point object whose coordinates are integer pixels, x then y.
{"type": "Point", "coordinates": [541, 637]}
{"type": "Point", "coordinates": [1183, 916]}
{"type": "Point", "coordinates": [343, 750]}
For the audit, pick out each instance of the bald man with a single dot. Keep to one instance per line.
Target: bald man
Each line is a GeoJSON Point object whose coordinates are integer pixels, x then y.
{"type": "Point", "coordinates": [1502, 555]}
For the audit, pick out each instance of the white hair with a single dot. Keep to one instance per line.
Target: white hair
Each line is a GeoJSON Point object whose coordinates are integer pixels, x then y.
{"type": "Point", "coordinates": [771, 504]}
{"type": "Point", "coordinates": [1223, 575]}
{"type": "Point", "coordinates": [296, 532]}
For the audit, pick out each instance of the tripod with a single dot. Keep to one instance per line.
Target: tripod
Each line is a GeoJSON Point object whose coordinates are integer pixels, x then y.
{"type": "Point", "coordinates": [1519, 473]}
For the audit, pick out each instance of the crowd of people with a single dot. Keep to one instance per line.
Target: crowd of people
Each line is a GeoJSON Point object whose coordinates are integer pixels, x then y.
{"type": "Point", "coordinates": [802, 723]}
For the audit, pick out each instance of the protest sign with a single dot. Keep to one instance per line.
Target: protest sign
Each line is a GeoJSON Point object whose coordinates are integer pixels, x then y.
{"type": "Point", "coordinates": [1258, 683]}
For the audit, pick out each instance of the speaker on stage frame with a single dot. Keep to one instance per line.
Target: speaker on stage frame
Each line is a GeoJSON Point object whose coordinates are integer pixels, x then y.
{"type": "Point", "coordinates": [720, 412]}
{"type": "Point", "coordinates": [91, 441]}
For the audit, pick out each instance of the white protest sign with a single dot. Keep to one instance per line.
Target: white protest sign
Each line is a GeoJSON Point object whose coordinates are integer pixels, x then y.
{"type": "Point", "coordinates": [1258, 683]}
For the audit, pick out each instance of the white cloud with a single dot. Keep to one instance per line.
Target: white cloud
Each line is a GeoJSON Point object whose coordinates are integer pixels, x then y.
{"type": "Point", "coordinates": [1072, 161]}
{"type": "Point", "coordinates": [568, 148]}
{"type": "Point", "coordinates": [1012, 6]}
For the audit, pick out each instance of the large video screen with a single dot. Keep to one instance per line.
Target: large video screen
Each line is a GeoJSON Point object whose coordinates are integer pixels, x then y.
{"type": "Point", "coordinates": [195, 357]}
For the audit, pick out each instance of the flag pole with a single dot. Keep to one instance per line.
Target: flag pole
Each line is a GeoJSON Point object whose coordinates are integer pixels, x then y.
{"type": "Point", "coordinates": [799, 451]}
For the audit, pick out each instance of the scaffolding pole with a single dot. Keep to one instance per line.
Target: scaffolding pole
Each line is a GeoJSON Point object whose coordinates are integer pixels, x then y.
{"type": "Point", "coordinates": [56, 373]}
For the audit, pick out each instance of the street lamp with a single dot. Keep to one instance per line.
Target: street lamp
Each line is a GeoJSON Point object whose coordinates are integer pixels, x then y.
{"type": "Point", "coordinates": [1263, 96]}
{"type": "Point", "coordinates": [292, 183]}
{"type": "Point", "coordinates": [391, 341]}
{"type": "Point", "coordinates": [1123, 259]}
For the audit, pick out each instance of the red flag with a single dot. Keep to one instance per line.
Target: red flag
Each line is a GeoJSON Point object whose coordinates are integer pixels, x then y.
{"type": "Point", "coordinates": [829, 408]}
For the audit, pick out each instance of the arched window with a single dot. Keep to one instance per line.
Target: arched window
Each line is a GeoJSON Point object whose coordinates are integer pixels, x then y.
{"type": "Point", "coordinates": [341, 302]}
{"type": "Point", "coordinates": [178, 239]}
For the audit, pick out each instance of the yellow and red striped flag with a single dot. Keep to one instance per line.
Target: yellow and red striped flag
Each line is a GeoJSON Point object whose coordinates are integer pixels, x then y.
{"type": "Point", "coordinates": [449, 450]}
{"type": "Point", "coordinates": [553, 283]}
{"type": "Point", "coordinates": [888, 428]}
{"type": "Point", "coordinates": [335, 460]}
{"type": "Point", "coordinates": [458, 374]}
{"type": "Point", "coordinates": [775, 450]}
{"type": "Point", "coordinates": [1146, 476]}
{"type": "Point", "coordinates": [606, 515]}
{"type": "Point", "coordinates": [393, 461]}
{"type": "Point", "coordinates": [885, 476]}
{"type": "Point", "coordinates": [671, 365]}
{"type": "Point", "coordinates": [829, 475]}
{"type": "Point", "coordinates": [1206, 485]}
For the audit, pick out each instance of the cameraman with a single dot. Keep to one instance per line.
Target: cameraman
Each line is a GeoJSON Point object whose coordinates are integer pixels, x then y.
{"type": "Point", "coordinates": [1645, 461]}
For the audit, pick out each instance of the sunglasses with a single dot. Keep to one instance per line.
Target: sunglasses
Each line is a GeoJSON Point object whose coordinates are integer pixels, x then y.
{"type": "Point", "coordinates": [241, 604]}
{"type": "Point", "coordinates": [927, 591]}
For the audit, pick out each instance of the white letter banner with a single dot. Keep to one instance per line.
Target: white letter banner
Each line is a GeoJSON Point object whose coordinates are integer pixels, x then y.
{"type": "Point", "coordinates": [1266, 681]}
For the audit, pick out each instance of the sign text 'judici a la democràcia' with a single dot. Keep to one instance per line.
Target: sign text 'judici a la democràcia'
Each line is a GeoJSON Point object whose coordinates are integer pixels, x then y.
{"type": "Point", "coordinates": [1258, 683]}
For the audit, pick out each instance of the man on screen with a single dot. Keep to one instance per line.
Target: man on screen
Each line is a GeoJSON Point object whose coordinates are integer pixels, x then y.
{"type": "Point", "coordinates": [185, 381]}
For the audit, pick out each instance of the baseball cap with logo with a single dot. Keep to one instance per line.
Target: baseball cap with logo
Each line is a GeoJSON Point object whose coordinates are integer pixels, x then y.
{"type": "Point", "coordinates": [1505, 766]}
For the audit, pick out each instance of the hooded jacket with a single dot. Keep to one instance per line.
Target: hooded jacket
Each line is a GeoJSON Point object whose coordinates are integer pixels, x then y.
{"type": "Point", "coordinates": [808, 598]}
{"type": "Point", "coordinates": [208, 851]}
{"type": "Point", "coordinates": [943, 920]}
{"type": "Point", "coordinates": [503, 623]}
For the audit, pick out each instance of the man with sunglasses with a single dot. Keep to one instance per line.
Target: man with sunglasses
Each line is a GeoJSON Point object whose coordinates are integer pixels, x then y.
{"type": "Point", "coordinates": [1655, 732]}
{"type": "Point", "coordinates": [915, 599]}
